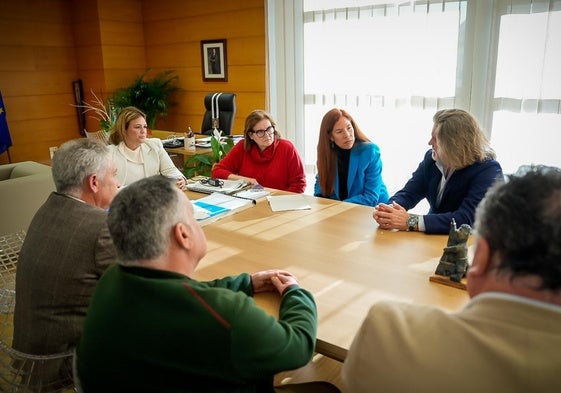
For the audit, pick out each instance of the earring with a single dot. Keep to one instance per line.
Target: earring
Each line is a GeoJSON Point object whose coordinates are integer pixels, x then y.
{"type": "Point", "coordinates": [332, 144]}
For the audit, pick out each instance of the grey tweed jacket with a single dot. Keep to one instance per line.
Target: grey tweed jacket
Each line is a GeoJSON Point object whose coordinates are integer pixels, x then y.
{"type": "Point", "coordinates": [66, 249]}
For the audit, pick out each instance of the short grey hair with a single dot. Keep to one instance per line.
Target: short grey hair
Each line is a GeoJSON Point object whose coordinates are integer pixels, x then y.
{"type": "Point", "coordinates": [76, 160]}
{"type": "Point", "coordinates": [142, 216]}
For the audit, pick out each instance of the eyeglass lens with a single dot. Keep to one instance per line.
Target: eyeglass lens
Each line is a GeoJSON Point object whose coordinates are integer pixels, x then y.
{"type": "Point", "coordinates": [269, 130]}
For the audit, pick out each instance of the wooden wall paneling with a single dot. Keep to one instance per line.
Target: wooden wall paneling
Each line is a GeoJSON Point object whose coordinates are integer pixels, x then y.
{"type": "Point", "coordinates": [121, 10]}
{"type": "Point", "coordinates": [87, 32]}
{"type": "Point", "coordinates": [174, 55]}
{"type": "Point", "coordinates": [247, 50]}
{"type": "Point", "coordinates": [89, 55]}
{"type": "Point", "coordinates": [117, 78]}
{"type": "Point", "coordinates": [23, 83]}
{"type": "Point", "coordinates": [52, 33]}
{"type": "Point", "coordinates": [38, 65]}
{"type": "Point", "coordinates": [33, 137]}
{"type": "Point", "coordinates": [167, 31]}
{"type": "Point", "coordinates": [89, 58]}
{"type": "Point", "coordinates": [123, 57]}
{"type": "Point", "coordinates": [240, 23]}
{"type": "Point", "coordinates": [176, 8]}
{"type": "Point", "coordinates": [17, 58]}
{"type": "Point", "coordinates": [41, 106]}
{"type": "Point", "coordinates": [48, 44]}
{"type": "Point", "coordinates": [122, 32]}
{"type": "Point", "coordinates": [49, 58]}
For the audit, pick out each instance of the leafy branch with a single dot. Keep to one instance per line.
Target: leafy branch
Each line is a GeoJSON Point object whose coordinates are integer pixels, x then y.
{"type": "Point", "coordinates": [202, 164]}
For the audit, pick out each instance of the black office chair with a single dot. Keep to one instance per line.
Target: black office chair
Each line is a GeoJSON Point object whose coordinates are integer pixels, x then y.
{"type": "Point", "coordinates": [220, 113]}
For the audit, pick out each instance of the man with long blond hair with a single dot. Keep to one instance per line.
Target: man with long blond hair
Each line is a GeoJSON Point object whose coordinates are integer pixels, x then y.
{"type": "Point", "coordinates": [454, 176]}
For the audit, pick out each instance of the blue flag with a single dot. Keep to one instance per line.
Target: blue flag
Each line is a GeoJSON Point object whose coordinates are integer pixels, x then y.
{"type": "Point", "coordinates": [5, 138]}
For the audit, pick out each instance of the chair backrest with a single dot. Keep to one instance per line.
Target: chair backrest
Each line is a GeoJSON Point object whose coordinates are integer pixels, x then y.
{"type": "Point", "coordinates": [10, 245]}
{"type": "Point", "coordinates": [22, 372]}
{"type": "Point", "coordinates": [220, 113]}
{"type": "Point", "coordinates": [100, 135]}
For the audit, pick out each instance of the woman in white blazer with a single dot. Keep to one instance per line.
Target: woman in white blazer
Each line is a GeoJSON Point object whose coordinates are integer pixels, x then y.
{"type": "Point", "coordinates": [135, 155]}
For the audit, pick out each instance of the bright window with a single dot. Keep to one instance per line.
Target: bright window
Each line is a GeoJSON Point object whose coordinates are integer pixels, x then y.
{"type": "Point", "coordinates": [390, 66]}
{"type": "Point", "coordinates": [393, 63]}
{"type": "Point", "coordinates": [527, 120]}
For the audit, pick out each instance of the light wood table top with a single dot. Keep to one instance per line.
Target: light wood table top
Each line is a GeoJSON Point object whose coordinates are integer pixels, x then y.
{"type": "Point", "coordinates": [338, 253]}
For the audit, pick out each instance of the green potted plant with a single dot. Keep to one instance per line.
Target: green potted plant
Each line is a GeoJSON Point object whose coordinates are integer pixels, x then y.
{"type": "Point", "coordinates": [153, 97]}
{"type": "Point", "coordinates": [202, 164]}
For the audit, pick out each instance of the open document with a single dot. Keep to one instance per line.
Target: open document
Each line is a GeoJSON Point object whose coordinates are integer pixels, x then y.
{"type": "Point", "coordinates": [218, 205]}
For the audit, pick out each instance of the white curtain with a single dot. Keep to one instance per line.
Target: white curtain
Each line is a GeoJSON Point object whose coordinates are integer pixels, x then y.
{"type": "Point", "coordinates": [393, 63]}
{"type": "Point", "coordinates": [527, 96]}
{"type": "Point", "coordinates": [390, 64]}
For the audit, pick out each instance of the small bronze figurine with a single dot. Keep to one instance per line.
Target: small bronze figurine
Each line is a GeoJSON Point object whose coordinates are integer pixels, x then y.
{"type": "Point", "coordinates": [454, 260]}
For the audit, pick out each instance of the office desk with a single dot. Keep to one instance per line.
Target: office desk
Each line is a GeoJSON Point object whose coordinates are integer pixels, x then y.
{"type": "Point", "coordinates": [338, 253]}
{"type": "Point", "coordinates": [188, 153]}
{"type": "Point", "coordinates": [181, 151]}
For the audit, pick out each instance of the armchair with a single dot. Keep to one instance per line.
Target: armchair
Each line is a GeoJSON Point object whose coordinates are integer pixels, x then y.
{"type": "Point", "coordinates": [10, 245]}
{"type": "Point", "coordinates": [24, 187]}
{"type": "Point", "coordinates": [220, 113]}
{"type": "Point", "coordinates": [22, 372]}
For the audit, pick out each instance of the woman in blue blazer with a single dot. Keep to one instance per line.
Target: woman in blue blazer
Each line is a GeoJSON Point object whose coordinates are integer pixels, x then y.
{"type": "Point", "coordinates": [349, 165]}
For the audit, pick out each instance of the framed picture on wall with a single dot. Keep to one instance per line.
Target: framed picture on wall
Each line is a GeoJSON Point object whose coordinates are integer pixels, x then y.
{"type": "Point", "coordinates": [214, 62]}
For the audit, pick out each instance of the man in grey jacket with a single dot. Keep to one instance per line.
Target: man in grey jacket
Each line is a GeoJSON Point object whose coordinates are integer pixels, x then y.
{"type": "Point", "coordinates": [66, 249]}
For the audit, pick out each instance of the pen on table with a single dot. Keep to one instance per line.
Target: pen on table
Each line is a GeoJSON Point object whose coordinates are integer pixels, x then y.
{"type": "Point", "coordinates": [247, 199]}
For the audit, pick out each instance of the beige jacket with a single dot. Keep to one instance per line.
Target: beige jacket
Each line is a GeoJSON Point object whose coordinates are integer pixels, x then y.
{"type": "Point", "coordinates": [498, 343]}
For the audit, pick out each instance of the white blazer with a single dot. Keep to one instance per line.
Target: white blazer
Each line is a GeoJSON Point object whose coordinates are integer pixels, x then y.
{"type": "Point", "coordinates": [156, 161]}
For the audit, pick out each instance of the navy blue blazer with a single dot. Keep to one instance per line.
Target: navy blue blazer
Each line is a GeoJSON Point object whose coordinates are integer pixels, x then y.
{"type": "Point", "coordinates": [364, 181]}
{"type": "Point", "coordinates": [464, 190]}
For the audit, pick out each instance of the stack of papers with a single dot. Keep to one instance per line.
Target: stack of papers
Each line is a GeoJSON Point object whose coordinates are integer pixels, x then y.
{"type": "Point", "coordinates": [281, 203]}
{"type": "Point", "coordinates": [217, 204]}
{"type": "Point", "coordinates": [205, 142]}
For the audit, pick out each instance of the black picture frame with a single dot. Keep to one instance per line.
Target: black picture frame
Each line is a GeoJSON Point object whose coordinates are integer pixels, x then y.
{"type": "Point", "coordinates": [214, 61]}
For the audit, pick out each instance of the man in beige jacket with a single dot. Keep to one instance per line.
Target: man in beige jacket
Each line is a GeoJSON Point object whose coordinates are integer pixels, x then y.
{"type": "Point", "coordinates": [507, 338]}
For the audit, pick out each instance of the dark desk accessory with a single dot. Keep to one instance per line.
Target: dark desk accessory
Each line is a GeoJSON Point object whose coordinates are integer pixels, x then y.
{"type": "Point", "coordinates": [172, 143]}
{"type": "Point", "coordinates": [453, 264]}
{"type": "Point", "coordinates": [211, 181]}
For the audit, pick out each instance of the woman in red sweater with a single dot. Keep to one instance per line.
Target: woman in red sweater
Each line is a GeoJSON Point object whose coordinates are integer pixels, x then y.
{"type": "Point", "coordinates": [264, 157]}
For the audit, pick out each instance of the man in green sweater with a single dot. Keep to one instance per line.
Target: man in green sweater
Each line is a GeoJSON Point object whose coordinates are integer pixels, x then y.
{"type": "Point", "coordinates": [151, 328]}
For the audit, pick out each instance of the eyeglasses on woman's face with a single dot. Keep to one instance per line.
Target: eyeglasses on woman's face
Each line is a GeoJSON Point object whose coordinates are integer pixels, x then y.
{"type": "Point", "coordinates": [261, 133]}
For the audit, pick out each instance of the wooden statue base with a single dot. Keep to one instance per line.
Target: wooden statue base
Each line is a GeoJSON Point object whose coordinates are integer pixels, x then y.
{"type": "Point", "coordinates": [445, 280]}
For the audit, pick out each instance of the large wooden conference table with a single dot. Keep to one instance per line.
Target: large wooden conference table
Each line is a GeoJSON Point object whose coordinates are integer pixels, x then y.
{"type": "Point", "coordinates": [337, 252]}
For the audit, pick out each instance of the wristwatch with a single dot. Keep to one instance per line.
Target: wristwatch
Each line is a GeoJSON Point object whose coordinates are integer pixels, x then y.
{"type": "Point", "coordinates": [412, 222]}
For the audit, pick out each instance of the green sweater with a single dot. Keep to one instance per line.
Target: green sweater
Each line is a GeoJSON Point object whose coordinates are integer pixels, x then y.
{"type": "Point", "coordinates": [150, 330]}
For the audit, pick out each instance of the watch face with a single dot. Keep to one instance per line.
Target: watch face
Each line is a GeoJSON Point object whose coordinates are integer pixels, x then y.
{"type": "Point", "coordinates": [412, 222]}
